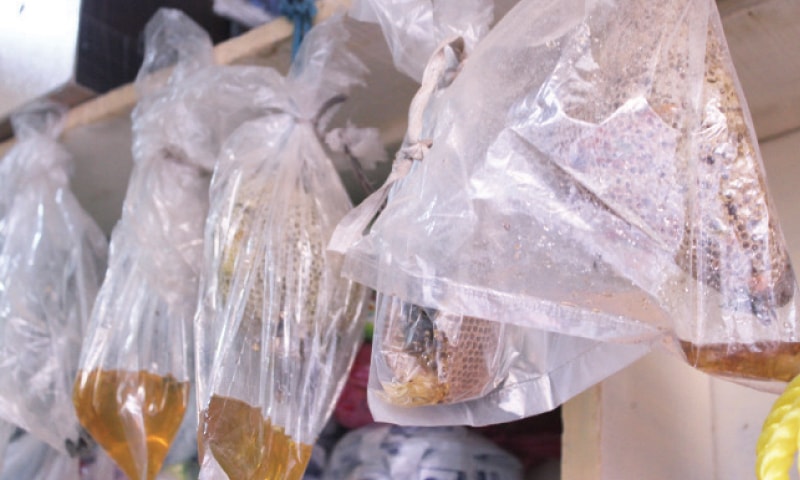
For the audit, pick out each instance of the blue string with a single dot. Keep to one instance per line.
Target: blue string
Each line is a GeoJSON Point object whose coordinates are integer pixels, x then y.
{"type": "Point", "coordinates": [301, 13]}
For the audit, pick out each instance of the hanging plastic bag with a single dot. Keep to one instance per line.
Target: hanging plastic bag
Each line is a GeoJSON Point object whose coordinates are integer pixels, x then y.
{"type": "Point", "coordinates": [6, 431]}
{"type": "Point", "coordinates": [277, 328]}
{"type": "Point", "coordinates": [452, 365]}
{"type": "Point", "coordinates": [52, 257]}
{"type": "Point", "coordinates": [31, 459]}
{"type": "Point", "coordinates": [671, 154]}
{"type": "Point", "coordinates": [387, 452]}
{"type": "Point", "coordinates": [134, 384]}
{"type": "Point", "coordinates": [606, 192]}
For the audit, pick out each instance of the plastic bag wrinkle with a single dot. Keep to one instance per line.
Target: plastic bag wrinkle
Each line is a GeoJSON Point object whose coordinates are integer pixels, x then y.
{"type": "Point", "coordinates": [51, 260]}
{"type": "Point", "coordinates": [277, 327]}
{"type": "Point", "coordinates": [136, 374]}
{"type": "Point", "coordinates": [593, 172]}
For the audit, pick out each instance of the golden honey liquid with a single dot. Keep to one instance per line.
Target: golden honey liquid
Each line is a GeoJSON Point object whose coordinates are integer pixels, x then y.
{"type": "Point", "coordinates": [247, 446]}
{"type": "Point", "coordinates": [755, 361]}
{"type": "Point", "coordinates": [134, 416]}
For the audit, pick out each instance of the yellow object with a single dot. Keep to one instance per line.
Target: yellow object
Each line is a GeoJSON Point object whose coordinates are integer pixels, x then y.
{"type": "Point", "coordinates": [248, 446]}
{"type": "Point", "coordinates": [776, 447]}
{"type": "Point", "coordinates": [134, 416]}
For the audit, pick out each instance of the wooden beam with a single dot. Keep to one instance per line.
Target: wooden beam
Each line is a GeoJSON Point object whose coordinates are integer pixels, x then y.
{"type": "Point", "coordinates": [259, 42]}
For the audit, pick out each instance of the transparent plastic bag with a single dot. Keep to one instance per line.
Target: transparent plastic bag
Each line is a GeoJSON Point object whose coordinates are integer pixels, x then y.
{"type": "Point", "coordinates": [52, 257]}
{"type": "Point", "coordinates": [387, 452]}
{"type": "Point", "coordinates": [134, 385]}
{"type": "Point", "coordinates": [277, 327]}
{"type": "Point", "coordinates": [6, 431]}
{"type": "Point", "coordinates": [609, 186]}
{"type": "Point", "coordinates": [453, 366]}
{"type": "Point", "coordinates": [414, 29]}
{"type": "Point", "coordinates": [434, 368]}
{"type": "Point", "coordinates": [31, 459]}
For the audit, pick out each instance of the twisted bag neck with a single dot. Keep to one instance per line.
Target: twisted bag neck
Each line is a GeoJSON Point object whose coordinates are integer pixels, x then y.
{"type": "Point", "coordinates": [415, 148]}
{"type": "Point", "coordinates": [316, 122]}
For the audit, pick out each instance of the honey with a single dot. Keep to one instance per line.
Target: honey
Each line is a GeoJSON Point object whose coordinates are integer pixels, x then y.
{"type": "Point", "coordinates": [247, 446]}
{"type": "Point", "coordinates": [756, 361]}
{"type": "Point", "coordinates": [134, 416]}
{"type": "Point", "coordinates": [435, 357]}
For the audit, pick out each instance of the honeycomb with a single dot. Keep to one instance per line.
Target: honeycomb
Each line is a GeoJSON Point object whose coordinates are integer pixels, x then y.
{"type": "Point", "coordinates": [439, 358]}
{"type": "Point", "coordinates": [734, 232]}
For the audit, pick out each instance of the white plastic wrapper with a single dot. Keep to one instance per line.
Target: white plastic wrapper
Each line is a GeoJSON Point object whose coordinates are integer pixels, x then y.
{"type": "Point", "coordinates": [434, 364]}
{"type": "Point", "coordinates": [414, 29]}
{"type": "Point", "coordinates": [6, 431]}
{"type": "Point", "coordinates": [277, 327]}
{"type": "Point", "coordinates": [31, 459]}
{"type": "Point", "coordinates": [592, 171]}
{"type": "Point", "coordinates": [52, 257]}
{"type": "Point", "coordinates": [386, 452]}
{"type": "Point", "coordinates": [134, 386]}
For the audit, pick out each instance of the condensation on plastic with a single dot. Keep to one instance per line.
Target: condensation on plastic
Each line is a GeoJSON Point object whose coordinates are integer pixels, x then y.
{"type": "Point", "coordinates": [454, 367]}
{"type": "Point", "coordinates": [52, 256]}
{"type": "Point", "coordinates": [30, 459]}
{"type": "Point", "coordinates": [277, 326]}
{"type": "Point", "coordinates": [386, 452]}
{"type": "Point", "coordinates": [594, 172]}
{"type": "Point", "coordinates": [140, 334]}
{"type": "Point", "coordinates": [414, 29]}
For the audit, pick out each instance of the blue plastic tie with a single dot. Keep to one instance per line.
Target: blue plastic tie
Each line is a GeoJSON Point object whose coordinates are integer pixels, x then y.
{"type": "Point", "coordinates": [301, 13]}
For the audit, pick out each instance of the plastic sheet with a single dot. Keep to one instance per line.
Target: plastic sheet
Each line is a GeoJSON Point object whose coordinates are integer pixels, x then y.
{"type": "Point", "coordinates": [592, 171]}
{"type": "Point", "coordinates": [52, 257]}
{"type": "Point", "coordinates": [450, 364]}
{"type": "Point", "coordinates": [277, 328]}
{"type": "Point", "coordinates": [6, 431]}
{"type": "Point", "coordinates": [414, 29]}
{"type": "Point", "coordinates": [134, 386]}
{"type": "Point", "coordinates": [30, 459]}
{"type": "Point", "coordinates": [387, 452]}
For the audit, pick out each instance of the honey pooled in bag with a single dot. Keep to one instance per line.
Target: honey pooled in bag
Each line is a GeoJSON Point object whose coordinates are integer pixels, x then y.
{"type": "Point", "coordinates": [103, 403]}
{"type": "Point", "coordinates": [277, 327]}
{"type": "Point", "coordinates": [133, 386]}
{"type": "Point", "coordinates": [735, 245]}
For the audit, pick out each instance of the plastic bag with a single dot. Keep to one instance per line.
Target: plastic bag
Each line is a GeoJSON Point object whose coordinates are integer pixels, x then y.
{"type": "Point", "coordinates": [453, 366]}
{"type": "Point", "coordinates": [6, 431]}
{"type": "Point", "coordinates": [52, 257]}
{"type": "Point", "coordinates": [30, 459]}
{"type": "Point", "coordinates": [609, 186]}
{"type": "Point", "coordinates": [277, 328]}
{"type": "Point", "coordinates": [388, 452]}
{"type": "Point", "coordinates": [134, 384]}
